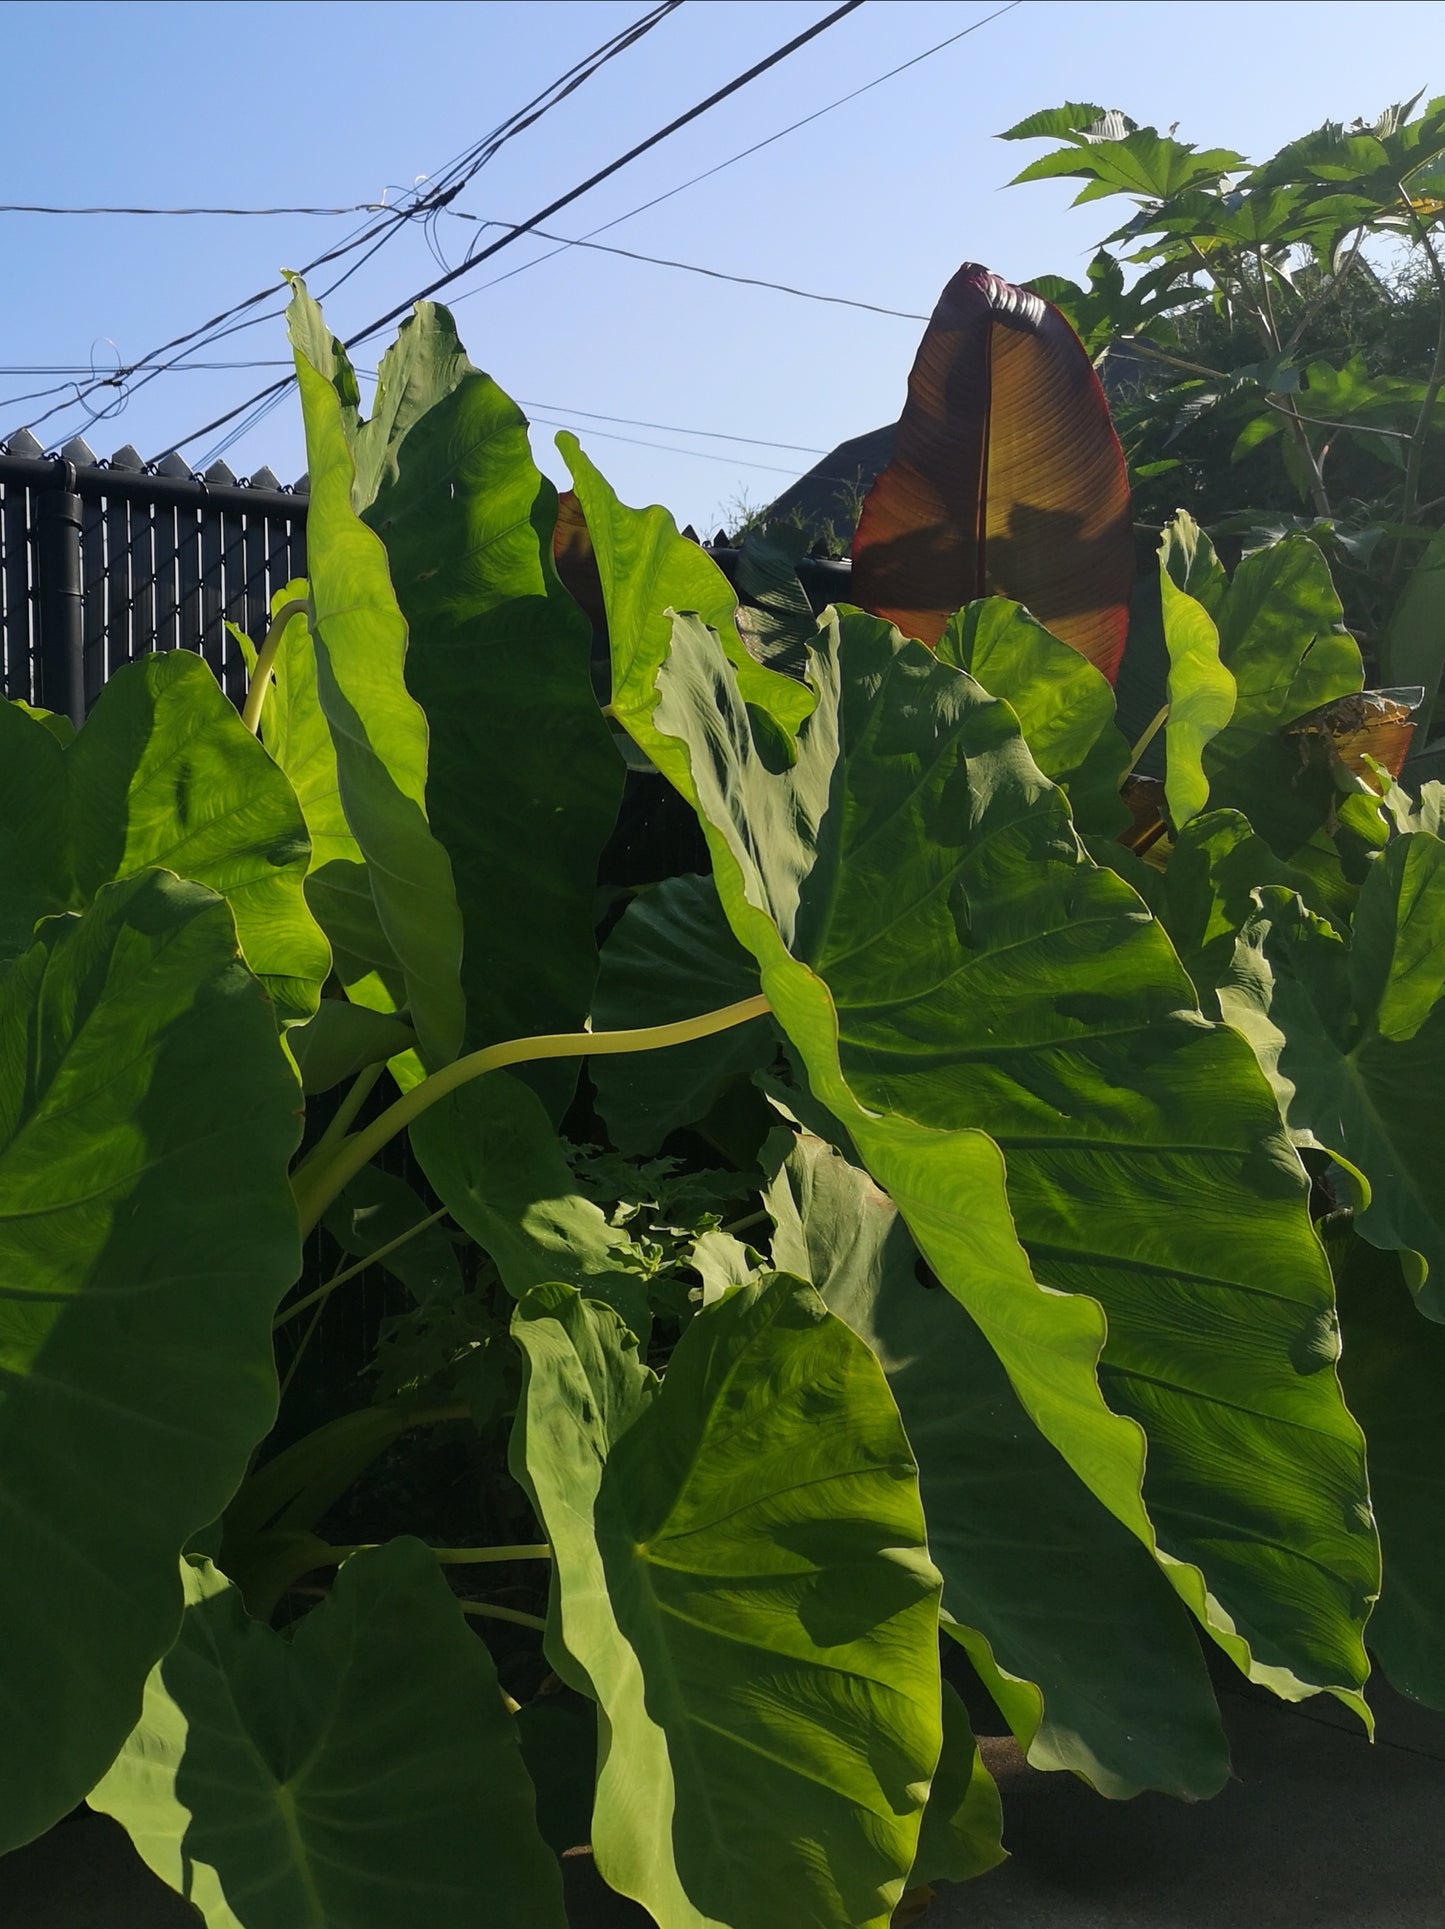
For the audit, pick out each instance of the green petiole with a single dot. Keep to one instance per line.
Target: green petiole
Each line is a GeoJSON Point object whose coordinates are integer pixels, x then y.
{"type": "Point", "coordinates": [316, 1184]}
{"type": "Point", "coordinates": [265, 657]}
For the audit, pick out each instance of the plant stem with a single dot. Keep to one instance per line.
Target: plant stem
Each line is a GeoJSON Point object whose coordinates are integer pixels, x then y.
{"type": "Point", "coordinates": [464, 1556]}
{"type": "Point", "coordinates": [319, 1296]}
{"type": "Point", "coordinates": [1436, 379]}
{"type": "Point", "coordinates": [316, 1185]}
{"type": "Point", "coordinates": [486, 1612]}
{"type": "Point", "coordinates": [336, 1131]}
{"type": "Point", "coordinates": [265, 657]}
{"type": "Point", "coordinates": [741, 1225]}
{"type": "Point", "coordinates": [1329, 285]}
{"type": "Point", "coordinates": [340, 1278]}
{"type": "Point", "coordinates": [1140, 346]}
{"type": "Point", "coordinates": [1155, 726]}
{"type": "Point", "coordinates": [1262, 313]}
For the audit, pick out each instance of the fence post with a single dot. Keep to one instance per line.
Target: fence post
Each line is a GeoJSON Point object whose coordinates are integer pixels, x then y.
{"type": "Point", "coordinates": [61, 657]}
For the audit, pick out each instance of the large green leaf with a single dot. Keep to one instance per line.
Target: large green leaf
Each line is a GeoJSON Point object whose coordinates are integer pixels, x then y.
{"type": "Point", "coordinates": [1280, 638]}
{"type": "Point", "coordinates": [1412, 650]}
{"type": "Point", "coordinates": [378, 1209]}
{"type": "Point", "coordinates": [960, 1834]}
{"type": "Point", "coordinates": [338, 884]}
{"type": "Point", "coordinates": [344, 1039]}
{"type": "Point", "coordinates": [164, 774]}
{"type": "Point", "coordinates": [1393, 1367]}
{"type": "Point", "coordinates": [948, 965]}
{"type": "Point", "coordinates": [1201, 692]}
{"type": "Point", "coordinates": [1090, 1653]}
{"type": "Point", "coordinates": [1353, 1035]}
{"type": "Point", "coordinates": [360, 1774]}
{"type": "Point", "coordinates": [1065, 706]}
{"type": "Point", "coordinates": [1113, 156]}
{"type": "Point", "coordinates": [523, 781]}
{"type": "Point", "coordinates": [1205, 897]}
{"type": "Point", "coordinates": [147, 1114]}
{"type": "Point", "coordinates": [494, 1161]}
{"type": "Point", "coordinates": [649, 570]}
{"type": "Point", "coordinates": [377, 726]}
{"type": "Point", "coordinates": [670, 956]}
{"type": "Point", "coordinates": [742, 1583]}
{"type": "Point", "coordinates": [1006, 476]}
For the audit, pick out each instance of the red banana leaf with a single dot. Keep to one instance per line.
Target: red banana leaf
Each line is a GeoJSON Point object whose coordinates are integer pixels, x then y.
{"type": "Point", "coordinates": [1006, 479]}
{"type": "Point", "coordinates": [576, 564]}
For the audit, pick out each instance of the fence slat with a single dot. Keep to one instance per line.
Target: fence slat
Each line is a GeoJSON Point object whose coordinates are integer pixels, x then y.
{"type": "Point", "coordinates": [17, 568]}
{"type": "Point", "coordinates": [165, 560]}
{"type": "Point", "coordinates": [93, 605]}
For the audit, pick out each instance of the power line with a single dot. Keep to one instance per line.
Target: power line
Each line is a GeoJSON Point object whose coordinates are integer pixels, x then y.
{"type": "Point", "coordinates": [441, 191]}
{"type": "Point", "coordinates": [705, 455]}
{"type": "Point", "coordinates": [623, 160]}
{"type": "Point", "coordinates": [357, 207]}
{"type": "Point", "coordinates": [672, 428]}
{"type": "Point", "coordinates": [692, 268]}
{"type": "Point", "coordinates": [744, 153]}
{"type": "Point", "coordinates": [562, 201]}
{"type": "Point", "coordinates": [553, 408]}
{"type": "Point", "coordinates": [602, 247]}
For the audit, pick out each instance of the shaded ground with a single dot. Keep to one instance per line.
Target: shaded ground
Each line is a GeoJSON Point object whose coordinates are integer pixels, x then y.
{"type": "Point", "coordinates": [1318, 1830]}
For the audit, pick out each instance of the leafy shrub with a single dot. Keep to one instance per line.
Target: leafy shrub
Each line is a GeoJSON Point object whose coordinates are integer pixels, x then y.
{"type": "Point", "coordinates": [926, 1254]}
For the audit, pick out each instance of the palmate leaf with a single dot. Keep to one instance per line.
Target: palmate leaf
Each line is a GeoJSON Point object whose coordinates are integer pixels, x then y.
{"type": "Point", "coordinates": [1393, 1367]}
{"type": "Point", "coordinates": [163, 774]}
{"type": "Point", "coordinates": [963, 986]}
{"type": "Point", "coordinates": [360, 1774]}
{"type": "Point", "coordinates": [523, 781]}
{"type": "Point", "coordinates": [147, 1114]}
{"type": "Point", "coordinates": [1134, 160]}
{"type": "Point", "coordinates": [741, 1582]}
{"type": "Point", "coordinates": [378, 729]}
{"type": "Point", "coordinates": [1353, 1036]}
{"type": "Point", "coordinates": [1006, 477]}
{"type": "Point", "coordinates": [1087, 1649]}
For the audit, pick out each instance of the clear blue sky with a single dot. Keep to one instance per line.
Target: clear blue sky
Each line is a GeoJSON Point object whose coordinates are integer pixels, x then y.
{"type": "Point", "coordinates": [266, 102]}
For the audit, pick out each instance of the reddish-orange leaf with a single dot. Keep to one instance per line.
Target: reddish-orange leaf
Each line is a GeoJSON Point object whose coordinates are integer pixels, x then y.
{"type": "Point", "coordinates": [576, 563]}
{"type": "Point", "coordinates": [1006, 478]}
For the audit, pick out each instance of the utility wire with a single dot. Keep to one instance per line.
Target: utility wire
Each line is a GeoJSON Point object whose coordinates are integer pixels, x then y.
{"type": "Point", "coordinates": [627, 254]}
{"type": "Point", "coordinates": [562, 201]}
{"type": "Point", "coordinates": [672, 428]}
{"type": "Point", "coordinates": [357, 207]}
{"type": "Point", "coordinates": [705, 455]}
{"type": "Point", "coordinates": [440, 191]}
{"type": "Point", "coordinates": [744, 153]}
{"type": "Point", "coordinates": [692, 268]}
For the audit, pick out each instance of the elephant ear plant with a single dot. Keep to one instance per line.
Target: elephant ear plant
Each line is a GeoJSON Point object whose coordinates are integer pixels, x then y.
{"type": "Point", "coordinates": [880, 1236]}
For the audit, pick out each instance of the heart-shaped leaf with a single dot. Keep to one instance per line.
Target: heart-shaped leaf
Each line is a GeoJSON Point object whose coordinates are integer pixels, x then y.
{"type": "Point", "coordinates": [147, 1113]}
{"type": "Point", "coordinates": [163, 774]}
{"type": "Point", "coordinates": [742, 1583]}
{"type": "Point", "coordinates": [311, 1782]}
